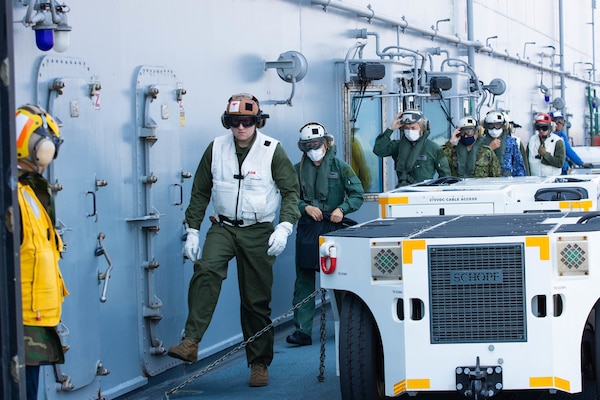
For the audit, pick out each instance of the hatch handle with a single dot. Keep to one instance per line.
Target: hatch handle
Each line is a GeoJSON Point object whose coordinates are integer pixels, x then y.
{"type": "Point", "coordinates": [103, 276]}
{"type": "Point", "coordinates": [94, 212]}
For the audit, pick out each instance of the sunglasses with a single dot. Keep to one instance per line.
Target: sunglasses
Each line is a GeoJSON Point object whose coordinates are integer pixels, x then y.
{"type": "Point", "coordinates": [309, 145]}
{"type": "Point", "coordinates": [247, 121]}
{"type": "Point", "coordinates": [541, 127]}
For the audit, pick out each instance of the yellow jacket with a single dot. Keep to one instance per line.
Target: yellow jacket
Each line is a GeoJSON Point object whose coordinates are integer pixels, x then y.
{"type": "Point", "coordinates": [42, 285]}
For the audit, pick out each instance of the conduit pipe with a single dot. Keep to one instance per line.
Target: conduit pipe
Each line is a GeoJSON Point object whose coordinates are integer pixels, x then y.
{"type": "Point", "coordinates": [561, 51]}
{"type": "Point", "coordinates": [476, 45]}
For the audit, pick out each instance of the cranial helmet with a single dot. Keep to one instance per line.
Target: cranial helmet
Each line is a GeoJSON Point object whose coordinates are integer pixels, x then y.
{"type": "Point", "coordinates": [543, 119]}
{"type": "Point", "coordinates": [556, 115]}
{"type": "Point", "coordinates": [412, 116]}
{"type": "Point", "coordinates": [243, 105]}
{"type": "Point", "coordinates": [467, 122]}
{"type": "Point", "coordinates": [310, 134]}
{"type": "Point", "coordinates": [494, 117]}
{"type": "Point", "coordinates": [38, 137]}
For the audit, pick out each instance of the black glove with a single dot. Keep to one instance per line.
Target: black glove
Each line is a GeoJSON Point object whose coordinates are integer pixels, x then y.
{"type": "Point", "coordinates": [587, 165]}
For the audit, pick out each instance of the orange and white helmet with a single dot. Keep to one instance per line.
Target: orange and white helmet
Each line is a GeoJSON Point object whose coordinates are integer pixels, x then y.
{"type": "Point", "coordinates": [543, 122]}
{"type": "Point", "coordinates": [543, 119]}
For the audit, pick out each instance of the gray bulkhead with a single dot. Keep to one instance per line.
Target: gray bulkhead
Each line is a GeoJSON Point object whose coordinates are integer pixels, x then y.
{"type": "Point", "coordinates": [139, 94]}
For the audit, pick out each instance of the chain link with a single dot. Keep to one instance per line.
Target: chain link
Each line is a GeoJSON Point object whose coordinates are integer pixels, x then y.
{"type": "Point", "coordinates": [259, 333]}
{"type": "Point", "coordinates": [321, 376]}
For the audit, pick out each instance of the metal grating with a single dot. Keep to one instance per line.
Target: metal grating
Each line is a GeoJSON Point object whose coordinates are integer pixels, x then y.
{"type": "Point", "coordinates": [572, 256]}
{"type": "Point", "coordinates": [477, 293]}
{"type": "Point", "coordinates": [386, 262]}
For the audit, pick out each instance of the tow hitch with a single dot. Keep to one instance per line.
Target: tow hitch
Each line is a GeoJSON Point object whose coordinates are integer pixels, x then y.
{"type": "Point", "coordinates": [479, 382]}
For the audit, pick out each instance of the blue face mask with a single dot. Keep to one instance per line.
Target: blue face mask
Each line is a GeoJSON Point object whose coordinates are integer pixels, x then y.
{"type": "Point", "coordinates": [467, 141]}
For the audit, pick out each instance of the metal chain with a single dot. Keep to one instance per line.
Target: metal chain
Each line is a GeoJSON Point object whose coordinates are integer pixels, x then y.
{"type": "Point", "coordinates": [321, 376]}
{"type": "Point", "coordinates": [255, 336]}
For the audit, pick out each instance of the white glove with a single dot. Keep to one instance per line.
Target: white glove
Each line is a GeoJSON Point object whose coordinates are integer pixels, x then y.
{"type": "Point", "coordinates": [278, 238]}
{"type": "Point", "coordinates": [192, 244]}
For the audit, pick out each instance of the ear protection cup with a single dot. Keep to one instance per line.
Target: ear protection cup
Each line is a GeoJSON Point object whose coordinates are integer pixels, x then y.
{"type": "Point", "coordinates": [225, 124]}
{"type": "Point", "coordinates": [44, 152]}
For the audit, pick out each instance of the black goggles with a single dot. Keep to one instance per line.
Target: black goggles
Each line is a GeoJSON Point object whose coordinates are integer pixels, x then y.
{"type": "Point", "coordinates": [410, 117]}
{"type": "Point", "coordinates": [234, 121]}
{"type": "Point", "coordinates": [467, 131]}
{"type": "Point", "coordinates": [308, 145]}
{"type": "Point", "coordinates": [539, 127]}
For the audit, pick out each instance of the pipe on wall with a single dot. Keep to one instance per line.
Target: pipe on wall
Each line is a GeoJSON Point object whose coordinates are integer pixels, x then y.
{"type": "Point", "coordinates": [472, 45]}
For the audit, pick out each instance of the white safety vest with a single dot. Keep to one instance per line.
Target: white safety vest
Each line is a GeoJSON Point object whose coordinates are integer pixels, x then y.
{"type": "Point", "coordinates": [536, 167]}
{"type": "Point", "coordinates": [247, 193]}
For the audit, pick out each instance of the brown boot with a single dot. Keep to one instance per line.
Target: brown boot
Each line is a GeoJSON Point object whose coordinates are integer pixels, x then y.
{"type": "Point", "coordinates": [187, 350]}
{"type": "Point", "coordinates": [259, 375]}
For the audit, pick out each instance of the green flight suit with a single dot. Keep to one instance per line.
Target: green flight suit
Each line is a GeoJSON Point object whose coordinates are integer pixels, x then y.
{"type": "Point", "coordinates": [333, 184]}
{"type": "Point", "coordinates": [249, 245]}
{"type": "Point", "coordinates": [414, 161]}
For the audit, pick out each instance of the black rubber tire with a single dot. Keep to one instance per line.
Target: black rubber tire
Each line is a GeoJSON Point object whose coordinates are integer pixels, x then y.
{"type": "Point", "coordinates": [361, 356]}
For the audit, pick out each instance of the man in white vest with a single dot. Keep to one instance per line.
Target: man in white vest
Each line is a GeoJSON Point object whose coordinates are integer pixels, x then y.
{"type": "Point", "coordinates": [248, 176]}
{"type": "Point", "coordinates": [545, 150]}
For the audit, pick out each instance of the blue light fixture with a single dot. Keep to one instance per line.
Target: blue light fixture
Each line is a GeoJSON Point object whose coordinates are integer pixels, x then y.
{"type": "Point", "coordinates": [44, 38]}
{"type": "Point", "coordinates": [49, 21]}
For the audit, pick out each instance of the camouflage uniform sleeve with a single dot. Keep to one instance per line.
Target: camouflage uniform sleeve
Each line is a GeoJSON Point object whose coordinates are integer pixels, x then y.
{"type": "Point", "coordinates": [518, 162]}
{"type": "Point", "coordinates": [487, 164]}
{"type": "Point", "coordinates": [449, 151]}
{"type": "Point", "coordinates": [442, 166]}
{"type": "Point", "coordinates": [495, 168]}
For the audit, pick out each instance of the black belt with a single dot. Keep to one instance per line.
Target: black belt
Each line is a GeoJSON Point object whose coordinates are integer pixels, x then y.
{"type": "Point", "coordinates": [233, 222]}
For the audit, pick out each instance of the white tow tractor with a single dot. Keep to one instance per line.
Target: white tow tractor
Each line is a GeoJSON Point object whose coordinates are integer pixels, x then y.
{"type": "Point", "coordinates": [469, 304]}
{"type": "Point", "coordinates": [526, 194]}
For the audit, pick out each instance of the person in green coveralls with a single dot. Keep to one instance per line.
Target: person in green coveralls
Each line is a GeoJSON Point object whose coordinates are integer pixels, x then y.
{"type": "Point", "coordinates": [329, 190]}
{"type": "Point", "coordinates": [250, 177]}
{"type": "Point", "coordinates": [416, 158]}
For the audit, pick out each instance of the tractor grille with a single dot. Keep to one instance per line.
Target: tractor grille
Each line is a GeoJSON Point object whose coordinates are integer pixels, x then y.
{"type": "Point", "coordinates": [477, 293]}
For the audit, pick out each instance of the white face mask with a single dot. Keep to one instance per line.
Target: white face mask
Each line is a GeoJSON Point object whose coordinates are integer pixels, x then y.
{"type": "Point", "coordinates": [412, 134]}
{"type": "Point", "coordinates": [495, 132]}
{"type": "Point", "coordinates": [316, 155]}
